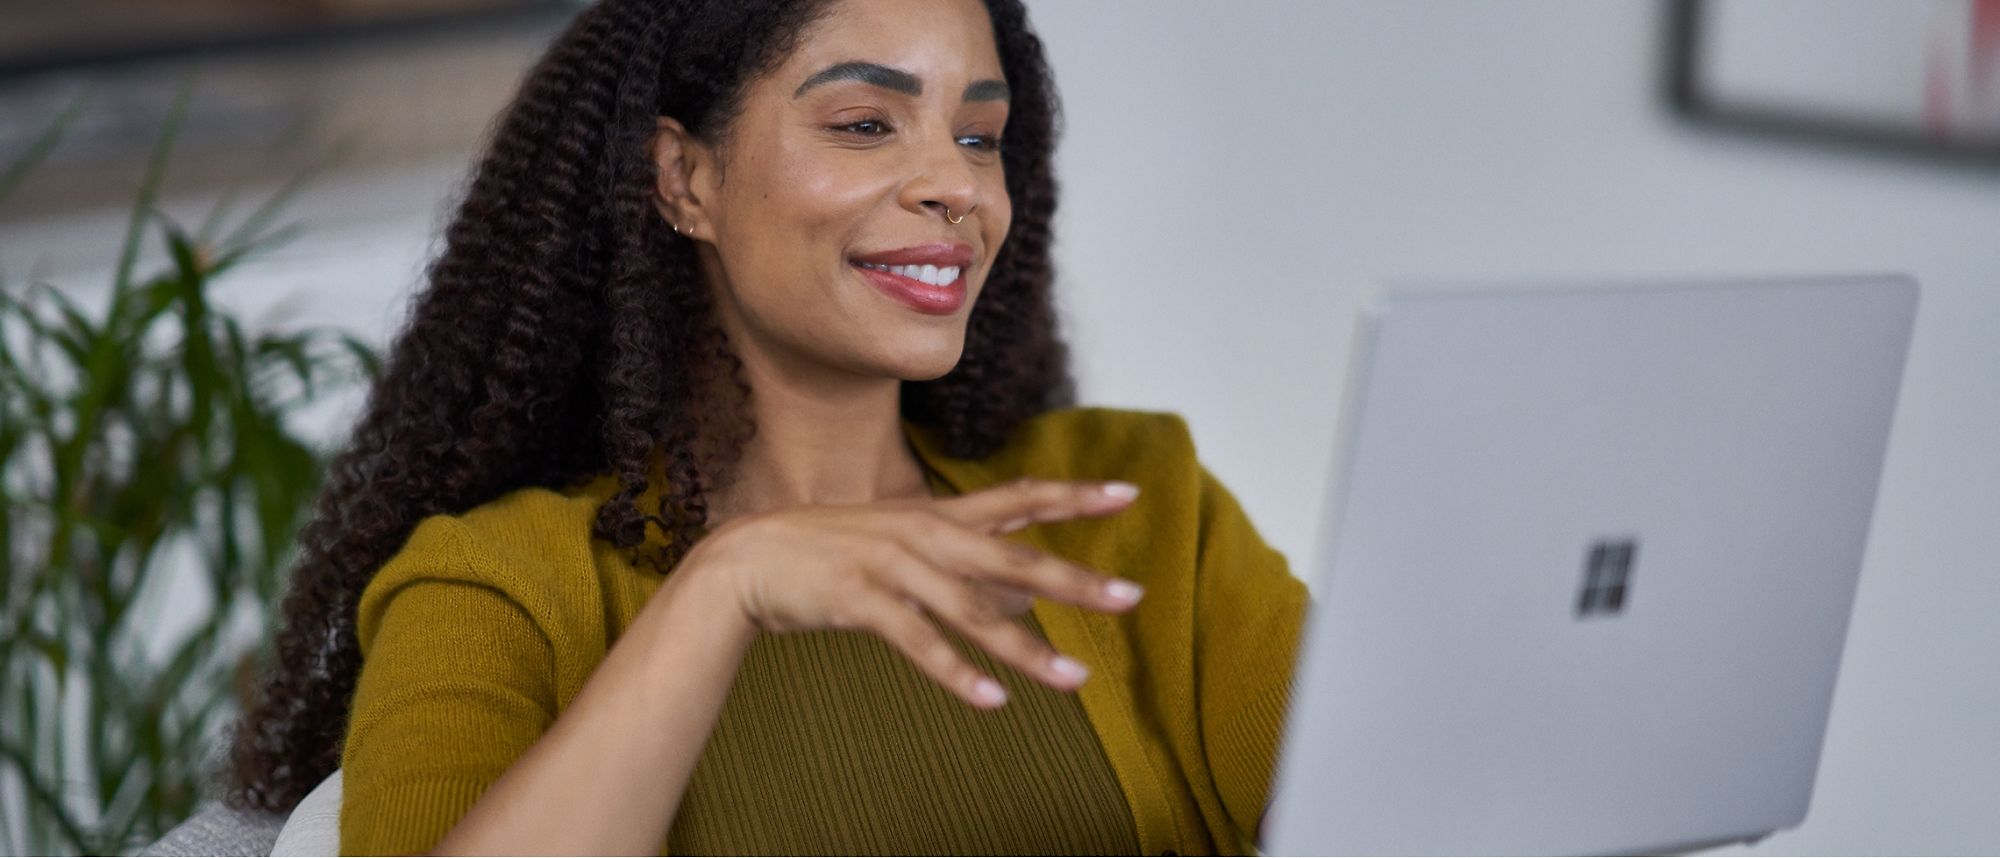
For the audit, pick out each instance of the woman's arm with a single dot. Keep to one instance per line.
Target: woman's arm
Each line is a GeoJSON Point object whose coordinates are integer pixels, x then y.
{"type": "Point", "coordinates": [608, 775]}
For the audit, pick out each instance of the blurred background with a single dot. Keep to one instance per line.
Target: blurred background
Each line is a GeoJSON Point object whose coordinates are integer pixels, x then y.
{"type": "Point", "coordinates": [1237, 178]}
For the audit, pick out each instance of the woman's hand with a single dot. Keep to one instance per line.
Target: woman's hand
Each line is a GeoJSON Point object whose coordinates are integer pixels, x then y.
{"type": "Point", "coordinates": [608, 776]}
{"type": "Point", "coordinates": [891, 568]}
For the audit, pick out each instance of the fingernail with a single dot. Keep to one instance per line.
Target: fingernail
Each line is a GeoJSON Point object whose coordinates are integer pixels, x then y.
{"type": "Point", "coordinates": [1015, 525]}
{"type": "Point", "coordinates": [1120, 490]}
{"type": "Point", "coordinates": [1124, 591]}
{"type": "Point", "coordinates": [989, 693]}
{"type": "Point", "coordinates": [1069, 668]}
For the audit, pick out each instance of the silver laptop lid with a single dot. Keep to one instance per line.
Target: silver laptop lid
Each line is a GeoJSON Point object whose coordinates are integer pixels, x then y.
{"type": "Point", "coordinates": [1588, 568]}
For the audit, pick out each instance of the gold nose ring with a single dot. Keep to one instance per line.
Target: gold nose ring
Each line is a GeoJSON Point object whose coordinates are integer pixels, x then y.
{"type": "Point", "coordinates": [958, 220]}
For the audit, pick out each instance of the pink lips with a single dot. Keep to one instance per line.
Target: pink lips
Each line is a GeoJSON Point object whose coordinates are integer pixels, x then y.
{"type": "Point", "coordinates": [941, 299]}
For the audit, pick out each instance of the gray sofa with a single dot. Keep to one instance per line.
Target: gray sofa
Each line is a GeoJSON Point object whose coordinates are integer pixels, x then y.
{"type": "Point", "coordinates": [313, 828]}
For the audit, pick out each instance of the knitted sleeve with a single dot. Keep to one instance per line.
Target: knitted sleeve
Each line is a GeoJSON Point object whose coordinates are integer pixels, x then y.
{"type": "Point", "coordinates": [1247, 615]}
{"type": "Point", "coordinates": [456, 686]}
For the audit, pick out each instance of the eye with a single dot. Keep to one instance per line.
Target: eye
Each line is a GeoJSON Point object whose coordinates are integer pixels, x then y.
{"type": "Point", "coordinates": [866, 128]}
{"type": "Point", "coordinates": [981, 142]}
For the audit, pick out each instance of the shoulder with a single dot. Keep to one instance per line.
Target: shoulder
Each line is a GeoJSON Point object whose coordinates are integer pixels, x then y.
{"type": "Point", "coordinates": [1081, 444]}
{"type": "Point", "coordinates": [532, 527]}
{"type": "Point", "coordinates": [531, 546]}
{"type": "Point", "coordinates": [1080, 441]}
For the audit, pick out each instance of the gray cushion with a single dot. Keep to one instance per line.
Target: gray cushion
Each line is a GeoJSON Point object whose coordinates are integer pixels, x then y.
{"type": "Point", "coordinates": [220, 830]}
{"type": "Point", "coordinates": [314, 826]}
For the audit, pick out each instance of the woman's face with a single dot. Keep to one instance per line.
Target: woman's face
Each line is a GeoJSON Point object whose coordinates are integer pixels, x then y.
{"type": "Point", "coordinates": [827, 212]}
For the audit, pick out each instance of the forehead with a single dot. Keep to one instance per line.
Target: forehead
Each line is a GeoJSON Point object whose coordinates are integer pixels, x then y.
{"type": "Point", "coordinates": [946, 40]}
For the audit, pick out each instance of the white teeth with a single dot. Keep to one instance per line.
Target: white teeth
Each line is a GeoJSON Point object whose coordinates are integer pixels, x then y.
{"type": "Point", "coordinates": [930, 274]}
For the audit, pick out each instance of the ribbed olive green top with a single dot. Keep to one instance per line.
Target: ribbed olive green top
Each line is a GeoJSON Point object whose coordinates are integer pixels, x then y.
{"type": "Point", "coordinates": [832, 743]}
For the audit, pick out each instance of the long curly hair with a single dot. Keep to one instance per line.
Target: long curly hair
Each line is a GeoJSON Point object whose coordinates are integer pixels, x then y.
{"type": "Point", "coordinates": [566, 333]}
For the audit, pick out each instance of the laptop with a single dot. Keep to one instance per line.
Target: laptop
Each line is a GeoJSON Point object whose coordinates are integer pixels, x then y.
{"type": "Point", "coordinates": [1587, 565]}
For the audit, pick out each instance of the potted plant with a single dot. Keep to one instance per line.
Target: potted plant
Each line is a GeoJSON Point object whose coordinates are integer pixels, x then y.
{"type": "Point", "coordinates": [147, 456]}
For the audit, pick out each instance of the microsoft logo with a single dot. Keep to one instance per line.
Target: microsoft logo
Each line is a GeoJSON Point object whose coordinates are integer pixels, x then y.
{"type": "Point", "coordinates": [1607, 573]}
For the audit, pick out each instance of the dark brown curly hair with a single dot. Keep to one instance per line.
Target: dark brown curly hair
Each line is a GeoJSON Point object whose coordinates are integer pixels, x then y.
{"type": "Point", "coordinates": [566, 333]}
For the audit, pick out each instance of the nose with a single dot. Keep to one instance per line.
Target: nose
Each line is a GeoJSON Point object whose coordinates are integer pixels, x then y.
{"type": "Point", "coordinates": [943, 183]}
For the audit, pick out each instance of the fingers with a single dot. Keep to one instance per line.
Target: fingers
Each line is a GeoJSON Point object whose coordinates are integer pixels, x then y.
{"type": "Point", "coordinates": [1011, 506]}
{"type": "Point", "coordinates": [1007, 599]}
{"type": "Point", "coordinates": [1009, 570]}
{"type": "Point", "coordinates": [960, 603]}
{"type": "Point", "coordinates": [979, 584]}
{"type": "Point", "coordinates": [906, 629]}
{"type": "Point", "coordinates": [894, 569]}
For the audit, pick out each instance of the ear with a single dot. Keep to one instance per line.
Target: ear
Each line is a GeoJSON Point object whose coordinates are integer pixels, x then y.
{"type": "Point", "coordinates": [685, 183]}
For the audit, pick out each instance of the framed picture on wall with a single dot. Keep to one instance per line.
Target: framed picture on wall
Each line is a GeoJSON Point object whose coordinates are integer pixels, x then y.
{"type": "Point", "coordinates": [1920, 75]}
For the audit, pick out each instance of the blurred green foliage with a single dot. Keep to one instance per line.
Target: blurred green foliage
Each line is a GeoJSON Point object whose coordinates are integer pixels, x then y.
{"type": "Point", "coordinates": [153, 485]}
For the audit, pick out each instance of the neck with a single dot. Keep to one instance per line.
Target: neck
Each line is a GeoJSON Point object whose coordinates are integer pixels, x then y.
{"type": "Point", "coordinates": [823, 437]}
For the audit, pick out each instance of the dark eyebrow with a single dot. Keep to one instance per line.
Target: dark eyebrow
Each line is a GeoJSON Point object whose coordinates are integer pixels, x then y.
{"type": "Point", "coordinates": [873, 74]}
{"type": "Point", "coordinates": [987, 90]}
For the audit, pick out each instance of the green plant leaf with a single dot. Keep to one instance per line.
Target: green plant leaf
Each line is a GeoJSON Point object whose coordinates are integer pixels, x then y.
{"type": "Point", "coordinates": [126, 436]}
{"type": "Point", "coordinates": [149, 187]}
{"type": "Point", "coordinates": [47, 802]}
{"type": "Point", "coordinates": [44, 144]}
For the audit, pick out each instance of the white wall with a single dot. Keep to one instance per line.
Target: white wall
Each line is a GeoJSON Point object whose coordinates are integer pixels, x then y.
{"type": "Point", "coordinates": [1238, 175]}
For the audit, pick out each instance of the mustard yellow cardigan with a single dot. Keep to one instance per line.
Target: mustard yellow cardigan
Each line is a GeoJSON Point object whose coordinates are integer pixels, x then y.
{"type": "Point", "coordinates": [1187, 693]}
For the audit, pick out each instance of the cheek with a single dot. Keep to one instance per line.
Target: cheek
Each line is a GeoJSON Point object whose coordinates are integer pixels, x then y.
{"type": "Point", "coordinates": [816, 194]}
{"type": "Point", "coordinates": [790, 213]}
{"type": "Point", "coordinates": [994, 228]}
{"type": "Point", "coordinates": [1003, 219]}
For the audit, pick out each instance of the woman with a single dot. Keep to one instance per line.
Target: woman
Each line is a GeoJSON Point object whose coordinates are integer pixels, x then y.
{"type": "Point", "coordinates": [705, 499]}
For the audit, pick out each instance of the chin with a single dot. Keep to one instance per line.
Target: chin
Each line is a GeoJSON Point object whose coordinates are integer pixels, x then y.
{"type": "Point", "coordinates": [923, 362]}
{"type": "Point", "coordinates": [928, 370]}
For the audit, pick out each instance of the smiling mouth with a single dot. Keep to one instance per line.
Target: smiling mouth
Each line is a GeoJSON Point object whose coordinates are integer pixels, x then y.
{"type": "Point", "coordinates": [929, 275]}
{"type": "Point", "coordinates": [927, 289]}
